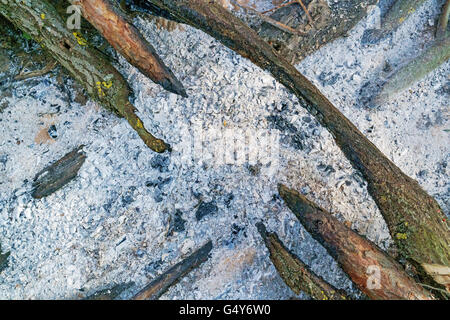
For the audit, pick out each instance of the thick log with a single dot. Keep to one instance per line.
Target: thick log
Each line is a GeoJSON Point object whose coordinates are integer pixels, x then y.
{"type": "Point", "coordinates": [102, 81]}
{"type": "Point", "coordinates": [159, 286]}
{"type": "Point", "coordinates": [357, 256]}
{"type": "Point", "coordinates": [415, 220]}
{"type": "Point", "coordinates": [58, 174]}
{"type": "Point", "coordinates": [128, 41]}
{"type": "Point", "coordinates": [395, 16]}
{"type": "Point", "coordinates": [295, 273]}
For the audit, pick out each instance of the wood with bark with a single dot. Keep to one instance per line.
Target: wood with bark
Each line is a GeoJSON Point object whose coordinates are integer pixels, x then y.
{"type": "Point", "coordinates": [295, 273]}
{"type": "Point", "coordinates": [330, 20]}
{"type": "Point", "coordinates": [127, 40]}
{"type": "Point", "coordinates": [415, 220]}
{"type": "Point", "coordinates": [103, 83]}
{"type": "Point", "coordinates": [412, 71]}
{"type": "Point", "coordinates": [58, 174]}
{"type": "Point", "coordinates": [358, 257]}
{"type": "Point", "coordinates": [441, 31]}
{"type": "Point", "coordinates": [161, 284]}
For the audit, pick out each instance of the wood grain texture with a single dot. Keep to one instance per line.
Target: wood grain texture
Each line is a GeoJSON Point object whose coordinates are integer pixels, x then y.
{"type": "Point", "coordinates": [356, 255]}
{"type": "Point", "coordinates": [129, 42]}
{"type": "Point", "coordinates": [295, 273]}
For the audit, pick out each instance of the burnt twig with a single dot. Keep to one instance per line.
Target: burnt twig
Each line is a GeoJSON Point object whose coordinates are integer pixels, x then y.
{"type": "Point", "coordinates": [58, 174]}
{"type": "Point", "coordinates": [159, 286]}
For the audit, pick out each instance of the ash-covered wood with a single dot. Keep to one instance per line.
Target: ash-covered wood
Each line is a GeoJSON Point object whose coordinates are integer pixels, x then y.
{"type": "Point", "coordinates": [375, 273]}
{"type": "Point", "coordinates": [58, 174]}
{"type": "Point", "coordinates": [419, 227]}
{"type": "Point", "coordinates": [159, 286]}
{"type": "Point", "coordinates": [394, 17]}
{"type": "Point", "coordinates": [3, 259]}
{"type": "Point", "coordinates": [330, 20]}
{"type": "Point", "coordinates": [103, 83]}
{"type": "Point", "coordinates": [295, 273]}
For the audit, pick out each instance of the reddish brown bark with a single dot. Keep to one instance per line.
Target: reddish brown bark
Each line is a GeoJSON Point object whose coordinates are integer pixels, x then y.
{"type": "Point", "coordinates": [374, 272]}
{"type": "Point", "coordinates": [128, 41]}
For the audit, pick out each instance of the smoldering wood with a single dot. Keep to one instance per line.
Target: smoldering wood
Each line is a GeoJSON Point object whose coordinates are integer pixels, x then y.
{"type": "Point", "coordinates": [375, 273]}
{"type": "Point", "coordinates": [103, 83]}
{"type": "Point", "coordinates": [415, 220]}
{"type": "Point", "coordinates": [58, 174]}
{"type": "Point", "coordinates": [129, 42]}
{"type": "Point", "coordinates": [295, 273]}
{"type": "Point", "coordinates": [161, 284]}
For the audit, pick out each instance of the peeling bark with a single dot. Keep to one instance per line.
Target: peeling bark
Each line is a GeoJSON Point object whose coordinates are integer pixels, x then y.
{"type": "Point", "coordinates": [295, 273]}
{"type": "Point", "coordinates": [376, 274]}
{"type": "Point", "coordinates": [415, 220]}
{"type": "Point", "coordinates": [102, 81]}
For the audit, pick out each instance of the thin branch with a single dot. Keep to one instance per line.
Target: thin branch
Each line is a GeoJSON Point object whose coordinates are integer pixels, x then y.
{"type": "Point", "coordinates": [280, 6]}
{"type": "Point", "coordinates": [159, 286]}
{"type": "Point", "coordinates": [311, 21]}
{"type": "Point", "coordinates": [36, 73]}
